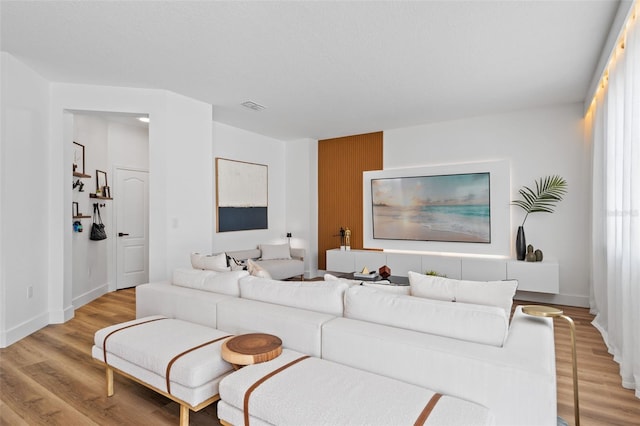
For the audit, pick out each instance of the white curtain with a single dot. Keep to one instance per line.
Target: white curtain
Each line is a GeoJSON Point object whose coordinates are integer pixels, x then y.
{"type": "Point", "coordinates": [615, 286]}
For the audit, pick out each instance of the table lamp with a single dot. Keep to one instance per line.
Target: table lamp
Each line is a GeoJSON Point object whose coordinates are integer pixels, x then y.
{"type": "Point", "coordinates": [550, 312]}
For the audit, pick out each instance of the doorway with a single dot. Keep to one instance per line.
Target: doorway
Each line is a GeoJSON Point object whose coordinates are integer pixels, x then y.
{"type": "Point", "coordinates": [132, 227]}
{"type": "Point", "coordinates": [113, 142]}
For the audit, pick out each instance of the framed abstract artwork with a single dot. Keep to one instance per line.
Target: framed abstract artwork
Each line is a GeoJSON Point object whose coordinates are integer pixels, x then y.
{"type": "Point", "coordinates": [241, 195]}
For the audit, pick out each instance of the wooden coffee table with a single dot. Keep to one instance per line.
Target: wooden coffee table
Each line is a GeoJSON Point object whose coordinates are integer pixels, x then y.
{"type": "Point", "coordinates": [251, 348]}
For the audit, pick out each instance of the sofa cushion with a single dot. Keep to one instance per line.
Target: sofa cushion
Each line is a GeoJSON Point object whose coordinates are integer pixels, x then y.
{"type": "Point", "coordinates": [474, 323]}
{"type": "Point", "coordinates": [318, 296]}
{"type": "Point", "coordinates": [275, 251]}
{"type": "Point", "coordinates": [296, 390]}
{"type": "Point", "coordinates": [193, 278]}
{"type": "Point", "coordinates": [491, 293]}
{"type": "Point", "coordinates": [299, 329]}
{"type": "Point", "coordinates": [211, 262]}
{"type": "Point", "coordinates": [217, 282]}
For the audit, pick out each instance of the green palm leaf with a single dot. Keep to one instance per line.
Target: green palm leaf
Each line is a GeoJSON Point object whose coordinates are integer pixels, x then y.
{"type": "Point", "coordinates": [549, 190]}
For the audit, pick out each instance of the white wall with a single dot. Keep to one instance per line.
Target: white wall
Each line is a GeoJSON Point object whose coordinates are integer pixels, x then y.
{"type": "Point", "coordinates": [179, 146]}
{"type": "Point", "coordinates": [90, 259]}
{"type": "Point", "coordinates": [128, 146]}
{"type": "Point", "coordinates": [236, 144]}
{"type": "Point", "coordinates": [537, 143]}
{"type": "Point", "coordinates": [302, 199]}
{"type": "Point", "coordinates": [24, 172]}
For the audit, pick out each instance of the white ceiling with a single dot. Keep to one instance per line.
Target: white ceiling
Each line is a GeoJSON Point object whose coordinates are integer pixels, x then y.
{"type": "Point", "coordinates": [322, 69]}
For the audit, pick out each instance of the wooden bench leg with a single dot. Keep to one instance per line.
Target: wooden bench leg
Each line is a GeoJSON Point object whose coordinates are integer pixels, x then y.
{"type": "Point", "coordinates": [184, 415]}
{"type": "Point", "coordinates": [109, 381]}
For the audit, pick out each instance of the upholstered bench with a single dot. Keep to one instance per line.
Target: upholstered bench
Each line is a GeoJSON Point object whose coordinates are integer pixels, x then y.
{"type": "Point", "coordinates": [296, 389]}
{"type": "Point", "coordinates": [175, 358]}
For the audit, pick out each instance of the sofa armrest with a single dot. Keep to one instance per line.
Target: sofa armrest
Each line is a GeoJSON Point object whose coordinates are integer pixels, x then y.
{"type": "Point", "coordinates": [298, 253]}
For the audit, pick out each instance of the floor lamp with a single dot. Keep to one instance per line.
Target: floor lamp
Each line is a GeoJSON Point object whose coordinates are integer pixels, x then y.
{"type": "Point", "coordinates": [548, 311]}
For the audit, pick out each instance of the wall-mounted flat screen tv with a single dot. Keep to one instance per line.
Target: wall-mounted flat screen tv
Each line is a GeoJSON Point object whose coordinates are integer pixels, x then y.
{"type": "Point", "coordinates": [453, 207]}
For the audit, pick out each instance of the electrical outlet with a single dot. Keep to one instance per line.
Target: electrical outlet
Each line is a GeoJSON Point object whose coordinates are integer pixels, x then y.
{"type": "Point", "coordinates": [29, 292]}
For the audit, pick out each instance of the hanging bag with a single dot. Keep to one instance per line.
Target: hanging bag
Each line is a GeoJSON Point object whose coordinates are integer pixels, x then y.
{"type": "Point", "coordinates": [97, 229]}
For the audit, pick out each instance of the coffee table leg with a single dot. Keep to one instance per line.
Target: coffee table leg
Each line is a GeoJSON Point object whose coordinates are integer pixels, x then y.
{"type": "Point", "coordinates": [109, 373]}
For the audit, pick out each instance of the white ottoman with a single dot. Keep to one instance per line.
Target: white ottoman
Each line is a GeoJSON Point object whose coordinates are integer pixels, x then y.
{"type": "Point", "coordinates": [295, 389]}
{"type": "Point", "coordinates": [175, 358]}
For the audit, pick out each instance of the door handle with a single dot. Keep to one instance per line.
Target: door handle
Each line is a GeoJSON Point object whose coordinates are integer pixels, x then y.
{"type": "Point", "coordinates": [122, 234]}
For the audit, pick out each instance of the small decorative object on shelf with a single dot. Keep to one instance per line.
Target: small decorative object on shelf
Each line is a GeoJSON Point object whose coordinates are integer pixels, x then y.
{"type": "Point", "coordinates": [533, 255]}
{"type": "Point", "coordinates": [347, 239]}
{"type": "Point", "coordinates": [78, 159]}
{"type": "Point", "coordinates": [342, 247]}
{"type": "Point", "coordinates": [549, 190]}
{"type": "Point", "coordinates": [75, 211]}
{"type": "Point", "coordinates": [435, 274]}
{"type": "Point", "coordinates": [366, 274]}
{"type": "Point", "coordinates": [384, 271]}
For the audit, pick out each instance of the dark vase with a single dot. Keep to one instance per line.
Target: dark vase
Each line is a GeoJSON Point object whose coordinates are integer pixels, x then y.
{"type": "Point", "coordinates": [521, 244]}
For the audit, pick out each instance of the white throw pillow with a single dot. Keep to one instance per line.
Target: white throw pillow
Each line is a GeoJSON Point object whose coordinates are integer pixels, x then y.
{"type": "Point", "coordinates": [257, 270]}
{"type": "Point", "coordinates": [211, 262]}
{"type": "Point", "coordinates": [329, 277]}
{"type": "Point", "coordinates": [490, 293]}
{"type": "Point", "coordinates": [275, 251]}
{"type": "Point", "coordinates": [236, 265]}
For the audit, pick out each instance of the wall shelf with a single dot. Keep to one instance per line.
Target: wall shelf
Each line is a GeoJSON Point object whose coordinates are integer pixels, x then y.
{"type": "Point", "coordinates": [80, 175]}
{"type": "Point", "coordinates": [99, 197]}
{"type": "Point", "coordinates": [82, 217]}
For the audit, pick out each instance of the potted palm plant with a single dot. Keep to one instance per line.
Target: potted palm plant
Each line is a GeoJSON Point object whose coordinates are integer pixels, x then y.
{"type": "Point", "coordinates": [549, 190]}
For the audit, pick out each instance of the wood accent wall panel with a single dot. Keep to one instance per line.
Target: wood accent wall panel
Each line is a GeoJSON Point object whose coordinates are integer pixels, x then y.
{"type": "Point", "coordinates": [341, 162]}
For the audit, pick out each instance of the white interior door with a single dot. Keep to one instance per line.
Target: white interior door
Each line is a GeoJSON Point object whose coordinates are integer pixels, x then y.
{"type": "Point", "coordinates": [131, 199]}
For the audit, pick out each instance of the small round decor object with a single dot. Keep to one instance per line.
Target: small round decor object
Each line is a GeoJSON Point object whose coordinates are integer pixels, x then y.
{"type": "Point", "coordinates": [539, 255]}
{"type": "Point", "coordinates": [251, 348]}
{"type": "Point", "coordinates": [542, 311]}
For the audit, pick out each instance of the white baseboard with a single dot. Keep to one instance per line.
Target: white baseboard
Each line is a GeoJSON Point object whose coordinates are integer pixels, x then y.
{"type": "Point", "coordinates": [553, 299]}
{"type": "Point", "coordinates": [89, 296]}
{"type": "Point", "coordinates": [62, 316]}
{"type": "Point", "coordinates": [21, 331]}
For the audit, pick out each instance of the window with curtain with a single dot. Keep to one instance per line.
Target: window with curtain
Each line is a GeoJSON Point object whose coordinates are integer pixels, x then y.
{"type": "Point", "coordinates": [614, 124]}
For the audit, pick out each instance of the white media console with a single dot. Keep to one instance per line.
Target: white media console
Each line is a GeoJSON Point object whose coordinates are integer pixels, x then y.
{"type": "Point", "coordinates": [541, 277]}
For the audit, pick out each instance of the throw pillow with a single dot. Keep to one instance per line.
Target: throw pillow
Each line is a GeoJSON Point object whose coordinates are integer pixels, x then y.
{"type": "Point", "coordinates": [490, 293]}
{"type": "Point", "coordinates": [257, 270]}
{"type": "Point", "coordinates": [211, 262]}
{"type": "Point", "coordinates": [235, 264]}
{"type": "Point", "coordinates": [329, 277]}
{"type": "Point", "coordinates": [275, 251]}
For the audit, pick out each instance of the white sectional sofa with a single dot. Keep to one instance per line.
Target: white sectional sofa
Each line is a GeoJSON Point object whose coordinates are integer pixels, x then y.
{"type": "Point", "coordinates": [464, 350]}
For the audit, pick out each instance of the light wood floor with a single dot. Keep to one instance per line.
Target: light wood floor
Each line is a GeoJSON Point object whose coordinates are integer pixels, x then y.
{"type": "Point", "coordinates": [51, 378]}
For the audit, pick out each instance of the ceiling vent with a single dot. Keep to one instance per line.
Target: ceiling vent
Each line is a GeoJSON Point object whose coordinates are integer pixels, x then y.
{"type": "Point", "coordinates": [252, 105]}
